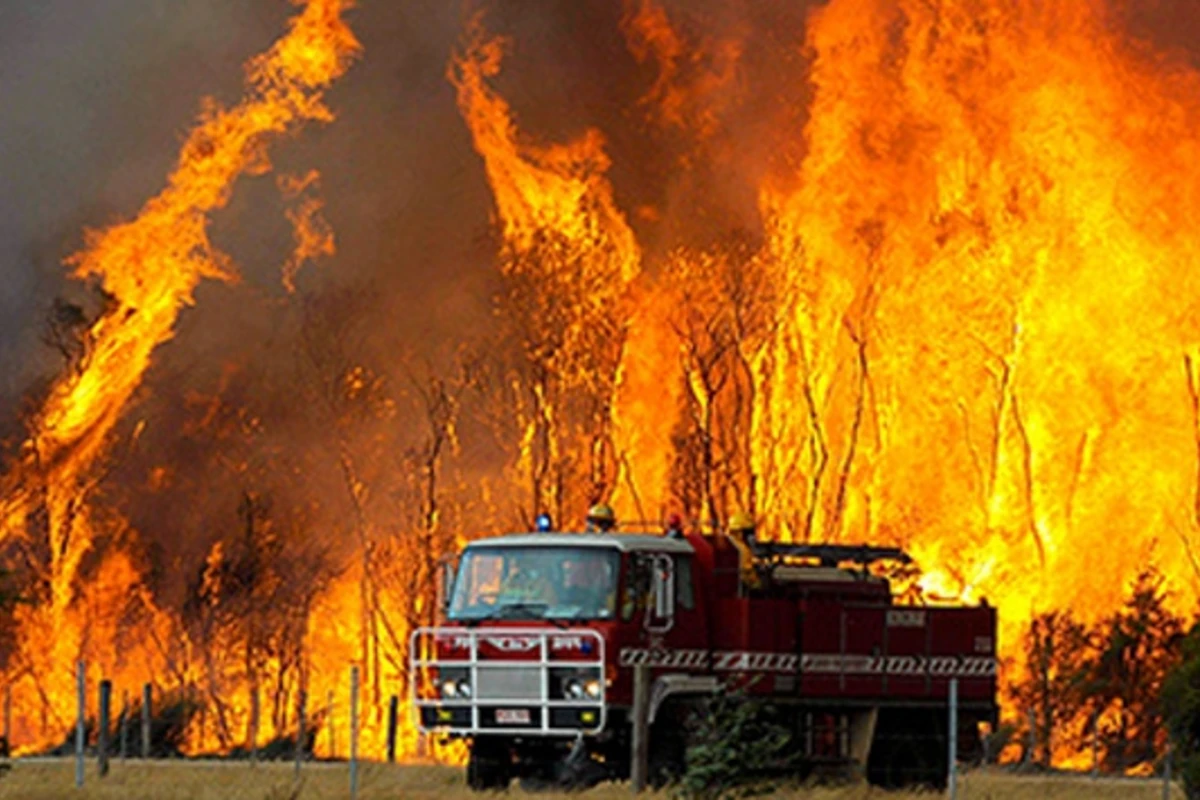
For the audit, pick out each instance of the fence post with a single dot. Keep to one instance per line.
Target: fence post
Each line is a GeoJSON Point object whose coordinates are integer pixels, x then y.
{"type": "Point", "coordinates": [353, 732]}
{"type": "Point", "coordinates": [7, 721]}
{"type": "Point", "coordinates": [252, 734]}
{"type": "Point", "coordinates": [81, 702]}
{"type": "Point", "coordinates": [641, 723]}
{"type": "Point", "coordinates": [1031, 754]}
{"type": "Point", "coordinates": [329, 724]}
{"type": "Point", "coordinates": [1166, 792]}
{"type": "Point", "coordinates": [952, 742]}
{"type": "Point", "coordinates": [147, 698]}
{"type": "Point", "coordinates": [102, 735]}
{"type": "Point", "coordinates": [393, 708]}
{"type": "Point", "coordinates": [301, 734]}
{"type": "Point", "coordinates": [1095, 745]}
{"type": "Point", "coordinates": [123, 727]}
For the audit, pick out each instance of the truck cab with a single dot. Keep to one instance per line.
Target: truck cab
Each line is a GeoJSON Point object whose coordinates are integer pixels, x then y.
{"type": "Point", "coordinates": [527, 666]}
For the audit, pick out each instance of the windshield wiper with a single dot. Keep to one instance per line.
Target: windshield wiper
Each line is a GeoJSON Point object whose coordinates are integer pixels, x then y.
{"type": "Point", "coordinates": [499, 612]}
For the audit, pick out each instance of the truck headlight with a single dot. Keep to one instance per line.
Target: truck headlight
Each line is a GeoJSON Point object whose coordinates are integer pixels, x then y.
{"type": "Point", "coordinates": [580, 688]}
{"type": "Point", "coordinates": [454, 684]}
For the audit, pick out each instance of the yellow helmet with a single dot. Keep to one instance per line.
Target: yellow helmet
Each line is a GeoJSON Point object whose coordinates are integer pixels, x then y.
{"type": "Point", "coordinates": [601, 512]}
{"type": "Point", "coordinates": [741, 521]}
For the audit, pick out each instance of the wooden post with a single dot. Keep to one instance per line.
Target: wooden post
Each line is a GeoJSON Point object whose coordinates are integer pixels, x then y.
{"type": "Point", "coordinates": [1095, 745]}
{"type": "Point", "coordinates": [640, 757]}
{"type": "Point", "coordinates": [80, 719]}
{"type": "Point", "coordinates": [102, 735]}
{"type": "Point", "coordinates": [254, 712]}
{"type": "Point", "coordinates": [1166, 790]}
{"type": "Point", "coordinates": [147, 697]}
{"type": "Point", "coordinates": [329, 724]}
{"type": "Point", "coordinates": [8, 745]}
{"type": "Point", "coordinates": [301, 733]}
{"type": "Point", "coordinates": [354, 732]}
{"type": "Point", "coordinates": [1030, 755]}
{"type": "Point", "coordinates": [393, 707]}
{"type": "Point", "coordinates": [123, 727]}
{"type": "Point", "coordinates": [952, 743]}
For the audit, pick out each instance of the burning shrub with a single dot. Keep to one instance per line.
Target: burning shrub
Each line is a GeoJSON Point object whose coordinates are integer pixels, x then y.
{"type": "Point", "coordinates": [1100, 681]}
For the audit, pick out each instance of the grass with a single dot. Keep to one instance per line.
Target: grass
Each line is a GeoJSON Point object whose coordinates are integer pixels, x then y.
{"type": "Point", "coordinates": [190, 780]}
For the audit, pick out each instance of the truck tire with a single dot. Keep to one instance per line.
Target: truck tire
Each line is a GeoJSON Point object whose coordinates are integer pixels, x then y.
{"type": "Point", "coordinates": [908, 764]}
{"type": "Point", "coordinates": [489, 768]}
{"type": "Point", "coordinates": [668, 759]}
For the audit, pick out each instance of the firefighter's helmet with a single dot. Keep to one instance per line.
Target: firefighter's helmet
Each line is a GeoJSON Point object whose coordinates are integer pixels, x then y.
{"type": "Point", "coordinates": [601, 517]}
{"type": "Point", "coordinates": [740, 522]}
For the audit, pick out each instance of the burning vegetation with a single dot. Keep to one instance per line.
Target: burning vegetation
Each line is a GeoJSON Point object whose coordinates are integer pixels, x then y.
{"type": "Point", "coordinates": [898, 271]}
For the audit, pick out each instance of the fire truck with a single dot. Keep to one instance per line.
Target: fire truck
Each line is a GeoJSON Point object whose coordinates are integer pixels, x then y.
{"type": "Point", "coordinates": [534, 665]}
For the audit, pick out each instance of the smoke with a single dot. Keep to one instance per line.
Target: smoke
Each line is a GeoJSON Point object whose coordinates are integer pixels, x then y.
{"type": "Point", "coordinates": [95, 96]}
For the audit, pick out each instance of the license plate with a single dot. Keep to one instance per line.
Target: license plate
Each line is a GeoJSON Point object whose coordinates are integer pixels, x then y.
{"type": "Point", "coordinates": [512, 716]}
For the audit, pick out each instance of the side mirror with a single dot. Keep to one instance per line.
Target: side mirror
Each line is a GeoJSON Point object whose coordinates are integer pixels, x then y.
{"type": "Point", "coordinates": [446, 586]}
{"type": "Point", "coordinates": [662, 589]}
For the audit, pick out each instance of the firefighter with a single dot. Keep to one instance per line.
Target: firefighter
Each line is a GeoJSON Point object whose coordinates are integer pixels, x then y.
{"type": "Point", "coordinates": [741, 533]}
{"type": "Point", "coordinates": [741, 527]}
{"type": "Point", "coordinates": [674, 526]}
{"type": "Point", "coordinates": [528, 583]}
{"type": "Point", "coordinates": [589, 583]}
{"type": "Point", "coordinates": [601, 519]}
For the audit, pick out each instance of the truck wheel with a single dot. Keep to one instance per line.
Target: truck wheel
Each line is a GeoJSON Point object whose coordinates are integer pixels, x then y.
{"type": "Point", "coordinates": [907, 763]}
{"type": "Point", "coordinates": [668, 760]}
{"type": "Point", "coordinates": [489, 768]}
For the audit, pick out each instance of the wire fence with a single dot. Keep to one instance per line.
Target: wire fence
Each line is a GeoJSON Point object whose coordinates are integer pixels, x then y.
{"type": "Point", "coordinates": [1094, 754]}
{"type": "Point", "coordinates": [137, 733]}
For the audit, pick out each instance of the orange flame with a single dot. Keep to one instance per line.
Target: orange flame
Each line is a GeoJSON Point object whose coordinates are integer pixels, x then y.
{"type": "Point", "coordinates": [148, 268]}
{"type": "Point", "coordinates": [556, 198]}
{"type": "Point", "coordinates": [313, 235]}
{"type": "Point", "coordinates": [983, 336]}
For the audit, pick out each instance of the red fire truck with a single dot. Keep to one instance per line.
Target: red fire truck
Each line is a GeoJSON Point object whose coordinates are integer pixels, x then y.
{"type": "Point", "coordinates": [534, 666]}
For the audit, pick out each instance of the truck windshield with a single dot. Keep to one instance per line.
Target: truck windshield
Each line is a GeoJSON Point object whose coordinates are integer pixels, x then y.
{"type": "Point", "coordinates": [536, 583]}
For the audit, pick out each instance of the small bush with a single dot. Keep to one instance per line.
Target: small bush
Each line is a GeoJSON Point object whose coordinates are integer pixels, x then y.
{"type": "Point", "coordinates": [735, 750]}
{"type": "Point", "coordinates": [1181, 699]}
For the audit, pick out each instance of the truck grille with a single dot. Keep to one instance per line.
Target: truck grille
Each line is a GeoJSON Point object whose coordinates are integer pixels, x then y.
{"type": "Point", "coordinates": [509, 683]}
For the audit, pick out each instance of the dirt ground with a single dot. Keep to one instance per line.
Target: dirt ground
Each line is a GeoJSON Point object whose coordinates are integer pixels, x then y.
{"type": "Point", "coordinates": [192, 780]}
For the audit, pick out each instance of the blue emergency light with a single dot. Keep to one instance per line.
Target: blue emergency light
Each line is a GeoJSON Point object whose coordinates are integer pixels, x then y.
{"type": "Point", "coordinates": [543, 523]}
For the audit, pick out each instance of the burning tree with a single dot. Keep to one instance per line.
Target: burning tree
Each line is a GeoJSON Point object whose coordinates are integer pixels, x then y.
{"type": "Point", "coordinates": [566, 259]}
{"type": "Point", "coordinates": [722, 316]}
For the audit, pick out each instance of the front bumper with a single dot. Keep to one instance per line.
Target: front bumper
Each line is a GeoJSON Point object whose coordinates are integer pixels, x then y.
{"type": "Point", "coordinates": [516, 680]}
{"type": "Point", "coordinates": [461, 719]}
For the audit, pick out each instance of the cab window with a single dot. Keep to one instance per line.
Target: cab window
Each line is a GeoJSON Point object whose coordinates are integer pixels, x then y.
{"type": "Point", "coordinates": [636, 597]}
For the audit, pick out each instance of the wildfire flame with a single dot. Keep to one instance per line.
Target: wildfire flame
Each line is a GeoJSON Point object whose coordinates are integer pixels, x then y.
{"type": "Point", "coordinates": [964, 323]}
{"type": "Point", "coordinates": [148, 268]}
{"type": "Point", "coordinates": [982, 335]}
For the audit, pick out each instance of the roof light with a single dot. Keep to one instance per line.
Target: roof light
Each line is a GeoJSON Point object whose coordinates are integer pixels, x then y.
{"type": "Point", "coordinates": [543, 523]}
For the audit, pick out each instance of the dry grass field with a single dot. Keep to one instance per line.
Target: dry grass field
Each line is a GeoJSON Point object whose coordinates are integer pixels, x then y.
{"type": "Point", "coordinates": [213, 780]}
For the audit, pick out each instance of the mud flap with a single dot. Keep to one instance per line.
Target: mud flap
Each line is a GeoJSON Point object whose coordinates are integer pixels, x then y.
{"type": "Point", "coordinates": [578, 770]}
{"type": "Point", "coordinates": [862, 733]}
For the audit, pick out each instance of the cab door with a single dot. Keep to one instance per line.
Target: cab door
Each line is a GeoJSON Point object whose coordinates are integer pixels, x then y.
{"type": "Point", "coordinates": [679, 643]}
